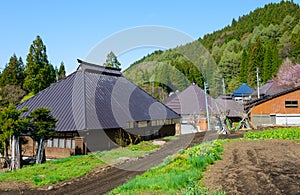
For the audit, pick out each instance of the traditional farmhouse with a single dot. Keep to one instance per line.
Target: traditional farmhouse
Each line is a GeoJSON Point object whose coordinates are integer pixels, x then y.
{"type": "Point", "coordinates": [243, 93]}
{"type": "Point", "coordinates": [97, 109]}
{"type": "Point", "coordinates": [279, 109]}
{"type": "Point", "coordinates": [190, 105]}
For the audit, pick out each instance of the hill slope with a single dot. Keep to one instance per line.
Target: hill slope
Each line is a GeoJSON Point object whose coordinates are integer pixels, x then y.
{"type": "Point", "coordinates": [260, 39]}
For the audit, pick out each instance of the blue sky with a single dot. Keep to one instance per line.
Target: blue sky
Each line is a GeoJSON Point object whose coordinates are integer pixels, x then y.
{"type": "Point", "coordinates": [70, 29]}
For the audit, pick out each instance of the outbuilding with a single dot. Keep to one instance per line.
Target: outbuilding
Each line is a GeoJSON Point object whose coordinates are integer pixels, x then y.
{"type": "Point", "coordinates": [281, 109]}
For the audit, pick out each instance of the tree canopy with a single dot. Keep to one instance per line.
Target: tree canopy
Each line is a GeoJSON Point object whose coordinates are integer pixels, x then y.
{"type": "Point", "coordinates": [39, 72]}
{"type": "Point", "coordinates": [112, 61]}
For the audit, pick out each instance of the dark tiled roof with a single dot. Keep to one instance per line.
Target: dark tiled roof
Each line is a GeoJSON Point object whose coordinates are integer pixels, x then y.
{"type": "Point", "coordinates": [243, 90]}
{"type": "Point", "coordinates": [96, 97]}
{"type": "Point", "coordinates": [192, 101]}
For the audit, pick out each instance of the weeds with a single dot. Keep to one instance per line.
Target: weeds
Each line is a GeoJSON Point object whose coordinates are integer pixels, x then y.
{"type": "Point", "coordinates": [178, 173]}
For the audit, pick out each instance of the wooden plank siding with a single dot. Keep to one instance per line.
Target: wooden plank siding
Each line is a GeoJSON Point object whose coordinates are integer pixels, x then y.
{"type": "Point", "coordinates": [285, 104]}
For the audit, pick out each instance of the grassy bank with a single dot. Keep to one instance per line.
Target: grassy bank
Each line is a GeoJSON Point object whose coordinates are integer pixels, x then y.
{"type": "Point", "coordinates": [178, 174]}
{"type": "Point", "coordinates": [182, 173]}
{"type": "Point", "coordinates": [74, 166]}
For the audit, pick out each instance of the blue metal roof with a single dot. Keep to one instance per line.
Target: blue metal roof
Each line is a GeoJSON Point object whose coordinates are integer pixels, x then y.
{"type": "Point", "coordinates": [243, 91]}
{"type": "Point", "coordinates": [96, 97]}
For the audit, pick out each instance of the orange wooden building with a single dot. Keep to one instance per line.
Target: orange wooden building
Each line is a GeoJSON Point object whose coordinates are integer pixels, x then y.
{"type": "Point", "coordinates": [279, 109]}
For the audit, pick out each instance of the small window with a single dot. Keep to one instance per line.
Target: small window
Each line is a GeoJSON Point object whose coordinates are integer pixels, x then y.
{"type": "Point", "coordinates": [130, 124]}
{"type": "Point", "coordinates": [68, 143]}
{"type": "Point", "coordinates": [55, 142]}
{"type": "Point", "coordinates": [154, 123]}
{"type": "Point", "coordinates": [142, 124]}
{"type": "Point", "coordinates": [73, 143]}
{"type": "Point", "coordinates": [291, 103]}
{"type": "Point", "coordinates": [49, 143]}
{"type": "Point", "coordinates": [61, 143]}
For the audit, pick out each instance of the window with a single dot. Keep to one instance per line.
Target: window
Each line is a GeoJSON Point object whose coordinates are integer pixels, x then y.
{"type": "Point", "coordinates": [49, 143]}
{"type": "Point", "coordinates": [68, 143]}
{"type": "Point", "coordinates": [73, 143]}
{"type": "Point", "coordinates": [130, 124]}
{"type": "Point", "coordinates": [61, 142]}
{"type": "Point", "coordinates": [154, 123]}
{"type": "Point", "coordinates": [142, 124]}
{"type": "Point", "coordinates": [291, 103]}
{"type": "Point", "coordinates": [55, 142]}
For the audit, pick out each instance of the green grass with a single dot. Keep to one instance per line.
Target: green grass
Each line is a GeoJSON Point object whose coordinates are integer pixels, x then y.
{"type": "Point", "coordinates": [53, 171]}
{"type": "Point", "coordinates": [279, 133]}
{"type": "Point", "coordinates": [74, 166]}
{"type": "Point", "coordinates": [132, 151]}
{"type": "Point", "coordinates": [171, 138]}
{"type": "Point", "coordinates": [178, 174]}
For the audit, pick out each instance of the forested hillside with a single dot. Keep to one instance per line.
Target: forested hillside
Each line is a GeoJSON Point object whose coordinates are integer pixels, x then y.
{"type": "Point", "coordinates": [260, 39]}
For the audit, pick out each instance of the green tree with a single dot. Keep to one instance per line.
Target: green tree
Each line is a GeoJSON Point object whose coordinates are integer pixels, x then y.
{"type": "Point", "coordinates": [244, 67]}
{"type": "Point", "coordinates": [11, 94]}
{"type": "Point", "coordinates": [42, 128]}
{"type": "Point", "coordinates": [112, 61]}
{"type": "Point", "coordinates": [295, 44]}
{"type": "Point", "coordinates": [61, 72]}
{"type": "Point", "coordinates": [39, 73]}
{"type": "Point", "coordinates": [268, 62]}
{"type": "Point", "coordinates": [12, 125]}
{"type": "Point", "coordinates": [13, 73]}
{"type": "Point", "coordinates": [256, 59]}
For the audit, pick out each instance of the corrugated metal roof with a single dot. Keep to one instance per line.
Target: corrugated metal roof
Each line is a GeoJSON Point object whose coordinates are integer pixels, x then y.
{"type": "Point", "coordinates": [96, 97]}
{"type": "Point", "coordinates": [235, 109]}
{"type": "Point", "coordinates": [271, 88]}
{"type": "Point", "coordinates": [192, 101]}
{"type": "Point", "coordinates": [243, 91]}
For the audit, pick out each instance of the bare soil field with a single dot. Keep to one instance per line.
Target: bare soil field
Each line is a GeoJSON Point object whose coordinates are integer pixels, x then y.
{"type": "Point", "coordinates": [257, 167]}
{"type": "Point", "coordinates": [248, 167]}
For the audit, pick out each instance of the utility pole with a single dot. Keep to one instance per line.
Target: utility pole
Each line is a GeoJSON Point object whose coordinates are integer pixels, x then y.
{"type": "Point", "coordinates": [223, 82]}
{"type": "Point", "coordinates": [258, 79]}
{"type": "Point", "coordinates": [152, 82]}
{"type": "Point", "coordinates": [206, 105]}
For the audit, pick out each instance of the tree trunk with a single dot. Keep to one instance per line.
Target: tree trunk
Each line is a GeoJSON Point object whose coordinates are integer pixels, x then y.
{"type": "Point", "coordinates": [15, 153]}
{"type": "Point", "coordinates": [39, 155]}
{"type": "Point", "coordinates": [5, 155]}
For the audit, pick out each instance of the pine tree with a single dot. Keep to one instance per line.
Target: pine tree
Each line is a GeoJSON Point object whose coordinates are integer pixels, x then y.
{"type": "Point", "coordinates": [244, 67]}
{"type": "Point", "coordinates": [255, 61]}
{"type": "Point", "coordinates": [267, 63]}
{"type": "Point", "coordinates": [112, 61]}
{"type": "Point", "coordinates": [13, 73]}
{"type": "Point", "coordinates": [61, 72]}
{"type": "Point", "coordinates": [12, 125]}
{"type": "Point", "coordinates": [39, 73]}
{"type": "Point", "coordinates": [42, 128]}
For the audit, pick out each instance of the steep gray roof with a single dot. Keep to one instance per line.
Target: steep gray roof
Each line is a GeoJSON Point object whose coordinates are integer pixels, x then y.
{"type": "Point", "coordinates": [192, 101]}
{"type": "Point", "coordinates": [96, 97]}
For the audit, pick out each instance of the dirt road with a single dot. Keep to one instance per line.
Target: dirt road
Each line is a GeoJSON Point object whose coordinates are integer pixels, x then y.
{"type": "Point", "coordinates": [264, 167]}
{"type": "Point", "coordinates": [102, 181]}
